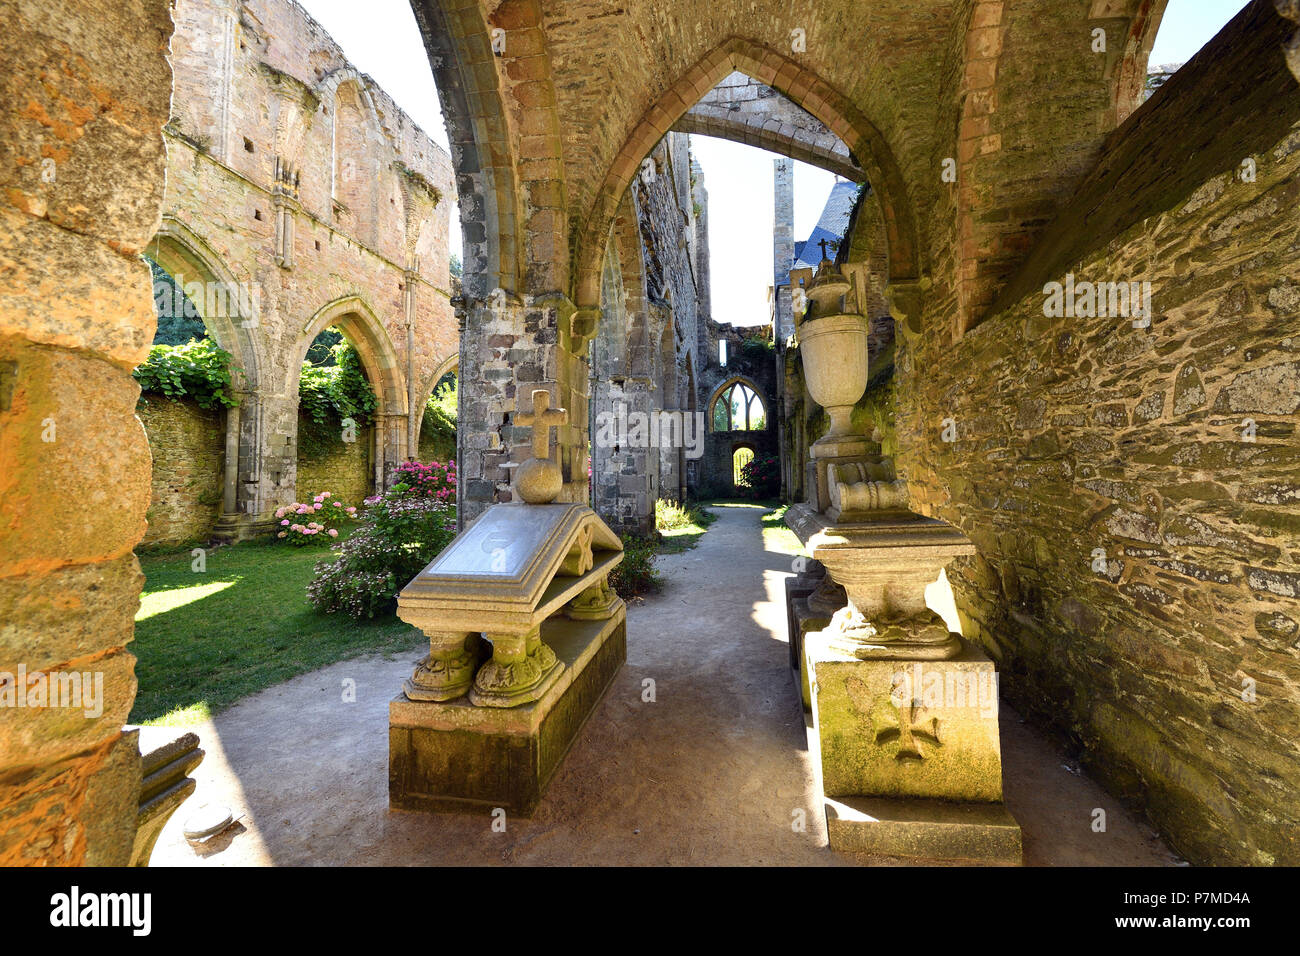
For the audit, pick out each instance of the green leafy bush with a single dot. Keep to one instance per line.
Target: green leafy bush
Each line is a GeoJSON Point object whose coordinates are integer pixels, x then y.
{"type": "Point", "coordinates": [439, 426]}
{"type": "Point", "coordinates": [330, 394]}
{"type": "Point", "coordinates": [178, 318]}
{"type": "Point", "coordinates": [399, 537]}
{"type": "Point", "coordinates": [198, 370]}
{"type": "Point", "coordinates": [672, 516]}
{"type": "Point", "coordinates": [636, 574]}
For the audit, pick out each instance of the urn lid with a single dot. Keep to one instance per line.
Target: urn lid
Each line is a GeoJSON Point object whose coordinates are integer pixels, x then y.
{"type": "Point", "coordinates": [828, 287]}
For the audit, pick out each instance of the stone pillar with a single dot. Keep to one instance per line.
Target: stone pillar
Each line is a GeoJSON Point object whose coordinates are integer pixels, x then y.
{"type": "Point", "coordinates": [76, 316]}
{"type": "Point", "coordinates": [391, 429]}
{"type": "Point", "coordinates": [783, 244]}
{"type": "Point", "coordinates": [228, 524]}
{"type": "Point", "coordinates": [624, 468]}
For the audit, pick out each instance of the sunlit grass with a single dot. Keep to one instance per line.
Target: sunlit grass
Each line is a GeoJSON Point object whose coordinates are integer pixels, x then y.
{"type": "Point", "coordinates": [777, 537]}
{"type": "Point", "coordinates": [161, 601]}
{"type": "Point", "coordinates": [681, 526]}
{"type": "Point", "coordinates": [205, 639]}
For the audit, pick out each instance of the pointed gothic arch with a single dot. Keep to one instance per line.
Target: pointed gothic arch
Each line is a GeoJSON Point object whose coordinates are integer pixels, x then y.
{"type": "Point", "coordinates": [229, 308]}
{"type": "Point", "coordinates": [798, 84]}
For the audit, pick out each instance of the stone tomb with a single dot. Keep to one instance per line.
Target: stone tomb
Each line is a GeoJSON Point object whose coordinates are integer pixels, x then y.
{"type": "Point", "coordinates": [525, 635]}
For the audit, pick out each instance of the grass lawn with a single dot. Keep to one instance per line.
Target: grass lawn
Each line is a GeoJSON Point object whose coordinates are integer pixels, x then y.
{"type": "Point", "coordinates": [205, 639]}
{"type": "Point", "coordinates": [681, 528]}
{"type": "Point", "coordinates": [779, 538]}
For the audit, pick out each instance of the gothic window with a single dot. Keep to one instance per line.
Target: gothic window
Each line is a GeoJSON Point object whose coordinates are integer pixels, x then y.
{"type": "Point", "coordinates": [739, 409]}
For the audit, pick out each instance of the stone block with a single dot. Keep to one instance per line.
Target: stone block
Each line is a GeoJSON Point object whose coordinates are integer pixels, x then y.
{"type": "Point", "coordinates": [923, 829]}
{"type": "Point", "coordinates": [77, 486]}
{"type": "Point", "coordinates": [906, 728]}
{"type": "Point", "coordinates": [83, 148]}
{"type": "Point", "coordinates": [63, 289]}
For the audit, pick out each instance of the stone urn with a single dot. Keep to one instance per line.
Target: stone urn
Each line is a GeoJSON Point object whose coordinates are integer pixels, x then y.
{"type": "Point", "coordinates": [834, 351]}
{"type": "Point", "coordinates": [833, 345]}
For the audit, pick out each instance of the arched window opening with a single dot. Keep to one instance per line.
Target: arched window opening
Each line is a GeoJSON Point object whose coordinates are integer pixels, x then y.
{"type": "Point", "coordinates": [739, 409]}
{"type": "Point", "coordinates": [180, 319]}
{"type": "Point", "coordinates": [739, 459]}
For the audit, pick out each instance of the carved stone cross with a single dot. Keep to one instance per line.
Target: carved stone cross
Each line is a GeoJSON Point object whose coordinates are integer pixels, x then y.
{"type": "Point", "coordinates": [541, 420]}
{"type": "Point", "coordinates": [822, 243]}
{"type": "Point", "coordinates": [894, 721]}
{"type": "Point", "coordinates": [909, 730]}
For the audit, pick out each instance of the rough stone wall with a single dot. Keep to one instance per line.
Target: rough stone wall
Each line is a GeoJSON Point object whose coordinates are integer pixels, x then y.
{"type": "Point", "coordinates": [345, 471]}
{"type": "Point", "coordinates": [509, 348]}
{"type": "Point", "coordinates": [302, 181]}
{"type": "Point", "coordinates": [1133, 491]}
{"type": "Point", "coordinates": [188, 446]}
{"type": "Point", "coordinates": [81, 165]}
{"type": "Point", "coordinates": [648, 337]}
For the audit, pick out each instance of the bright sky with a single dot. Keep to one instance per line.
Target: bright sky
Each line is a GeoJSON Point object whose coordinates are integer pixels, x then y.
{"type": "Point", "coordinates": [380, 37]}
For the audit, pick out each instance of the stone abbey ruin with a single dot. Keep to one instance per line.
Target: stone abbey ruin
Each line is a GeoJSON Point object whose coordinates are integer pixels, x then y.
{"type": "Point", "coordinates": [1040, 352]}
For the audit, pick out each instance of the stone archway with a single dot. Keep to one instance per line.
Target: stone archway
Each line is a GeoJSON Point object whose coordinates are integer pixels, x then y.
{"type": "Point", "coordinates": [802, 87]}
{"type": "Point", "coordinates": [230, 311]}
{"type": "Point", "coordinates": [354, 318]}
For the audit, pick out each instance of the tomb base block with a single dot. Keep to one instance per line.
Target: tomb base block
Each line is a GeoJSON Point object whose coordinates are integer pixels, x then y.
{"type": "Point", "coordinates": [923, 829]}
{"type": "Point", "coordinates": [454, 756]}
{"type": "Point", "coordinates": [918, 742]}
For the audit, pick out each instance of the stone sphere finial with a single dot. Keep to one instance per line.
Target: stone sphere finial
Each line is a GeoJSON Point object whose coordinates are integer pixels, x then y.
{"type": "Point", "coordinates": [539, 480]}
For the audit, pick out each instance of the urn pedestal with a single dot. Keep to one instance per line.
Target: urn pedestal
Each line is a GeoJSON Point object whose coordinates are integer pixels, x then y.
{"type": "Point", "coordinates": [904, 712]}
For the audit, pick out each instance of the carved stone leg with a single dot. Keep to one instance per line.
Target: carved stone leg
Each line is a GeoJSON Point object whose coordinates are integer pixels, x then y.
{"type": "Point", "coordinates": [521, 670]}
{"type": "Point", "coordinates": [448, 671]}
{"type": "Point", "coordinates": [828, 597]}
{"type": "Point", "coordinates": [597, 603]}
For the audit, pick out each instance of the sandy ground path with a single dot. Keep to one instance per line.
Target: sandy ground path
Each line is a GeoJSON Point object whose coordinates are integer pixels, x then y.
{"type": "Point", "coordinates": [710, 772]}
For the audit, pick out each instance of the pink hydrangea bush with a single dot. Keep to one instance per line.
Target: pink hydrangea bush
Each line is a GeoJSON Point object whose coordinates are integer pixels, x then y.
{"type": "Point", "coordinates": [319, 522]}
{"type": "Point", "coordinates": [414, 479]}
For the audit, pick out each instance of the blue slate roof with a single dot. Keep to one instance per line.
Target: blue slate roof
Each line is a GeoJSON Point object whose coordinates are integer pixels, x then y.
{"type": "Point", "coordinates": [832, 226]}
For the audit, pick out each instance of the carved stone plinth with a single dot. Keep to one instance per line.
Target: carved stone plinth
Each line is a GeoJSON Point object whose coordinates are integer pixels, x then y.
{"type": "Point", "coordinates": [918, 741]}
{"type": "Point", "coordinates": [884, 566]}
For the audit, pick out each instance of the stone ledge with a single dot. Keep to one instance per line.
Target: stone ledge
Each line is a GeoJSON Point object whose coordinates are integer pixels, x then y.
{"type": "Point", "coordinates": [925, 829]}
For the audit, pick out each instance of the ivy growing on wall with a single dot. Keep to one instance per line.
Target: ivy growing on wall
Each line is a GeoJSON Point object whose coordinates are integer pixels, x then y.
{"type": "Point", "coordinates": [197, 370]}
{"type": "Point", "coordinates": [330, 394]}
{"type": "Point", "coordinates": [439, 425]}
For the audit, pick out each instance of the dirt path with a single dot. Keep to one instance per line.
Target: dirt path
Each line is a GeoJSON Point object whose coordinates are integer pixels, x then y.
{"type": "Point", "coordinates": [710, 772]}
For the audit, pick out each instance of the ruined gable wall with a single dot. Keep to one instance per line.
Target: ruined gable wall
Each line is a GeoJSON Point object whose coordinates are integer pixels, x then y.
{"type": "Point", "coordinates": [262, 71]}
{"type": "Point", "coordinates": [1079, 438]}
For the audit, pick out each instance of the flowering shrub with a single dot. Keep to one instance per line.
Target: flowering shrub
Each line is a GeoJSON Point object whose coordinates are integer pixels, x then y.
{"type": "Point", "coordinates": [319, 521]}
{"type": "Point", "coordinates": [434, 480]}
{"type": "Point", "coordinates": [762, 476]}
{"type": "Point", "coordinates": [401, 534]}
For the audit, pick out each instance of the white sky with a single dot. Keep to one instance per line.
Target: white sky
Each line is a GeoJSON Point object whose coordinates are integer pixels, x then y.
{"type": "Point", "coordinates": [380, 38]}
